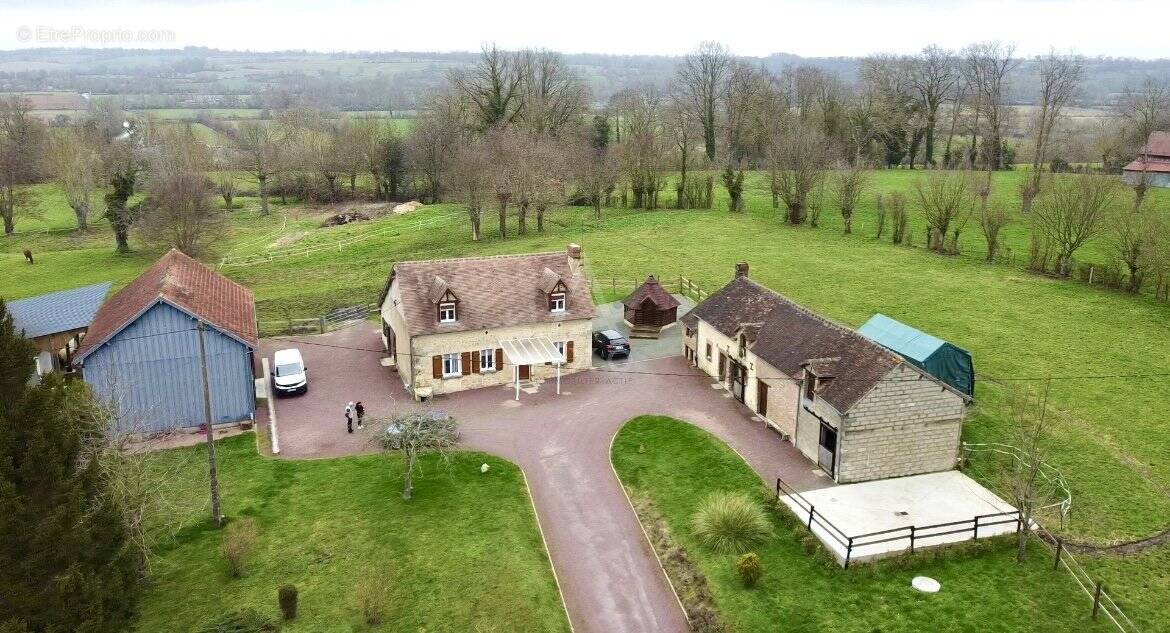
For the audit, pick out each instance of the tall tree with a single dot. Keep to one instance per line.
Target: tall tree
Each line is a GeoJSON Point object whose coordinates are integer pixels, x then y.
{"type": "Point", "coordinates": [433, 145]}
{"type": "Point", "coordinates": [702, 76]}
{"type": "Point", "coordinates": [1145, 109]}
{"type": "Point", "coordinates": [933, 76]}
{"type": "Point", "coordinates": [799, 158]}
{"type": "Point", "coordinates": [75, 158]}
{"type": "Point", "coordinates": [67, 562]}
{"type": "Point", "coordinates": [178, 211]}
{"type": "Point", "coordinates": [22, 143]}
{"type": "Point", "coordinates": [1060, 78]}
{"type": "Point", "coordinates": [494, 86]}
{"type": "Point", "coordinates": [471, 182]}
{"type": "Point", "coordinates": [946, 202]}
{"type": "Point", "coordinates": [986, 67]}
{"type": "Point", "coordinates": [553, 95]}
{"type": "Point", "coordinates": [257, 148]}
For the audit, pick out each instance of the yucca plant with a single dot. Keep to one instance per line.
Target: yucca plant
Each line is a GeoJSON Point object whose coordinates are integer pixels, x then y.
{"type": "Point", "coordinates": [730, 523]}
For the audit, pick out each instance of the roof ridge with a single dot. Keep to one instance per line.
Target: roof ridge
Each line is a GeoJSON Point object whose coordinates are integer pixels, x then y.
{"type": "Point", "coordinates": [478, 258]}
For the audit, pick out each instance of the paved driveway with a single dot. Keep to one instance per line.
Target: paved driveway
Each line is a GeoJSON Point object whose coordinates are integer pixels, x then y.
{"type": "Point", "coordinates": [610, 578]}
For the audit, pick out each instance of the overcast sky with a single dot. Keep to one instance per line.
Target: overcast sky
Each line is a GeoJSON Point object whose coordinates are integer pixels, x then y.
{"type": "Point", "coordinates": [1130, 28]}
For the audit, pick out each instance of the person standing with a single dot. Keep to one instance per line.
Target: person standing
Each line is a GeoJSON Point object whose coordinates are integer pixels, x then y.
{"type": "Point", "coordinates": [349, 417]}
{"type": "Point", "coordinates": [361, 414]}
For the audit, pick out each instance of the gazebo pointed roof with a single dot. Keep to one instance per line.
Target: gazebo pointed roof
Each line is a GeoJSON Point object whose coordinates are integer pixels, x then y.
{"type": "Point", "coordinates": [652, 290]}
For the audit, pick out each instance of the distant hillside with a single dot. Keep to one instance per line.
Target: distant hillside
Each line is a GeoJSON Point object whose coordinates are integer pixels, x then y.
{"type": "Point", "coordinates": [209, 78]}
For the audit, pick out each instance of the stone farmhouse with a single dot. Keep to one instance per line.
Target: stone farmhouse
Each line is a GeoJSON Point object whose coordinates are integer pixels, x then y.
{"type": "Point", "coordinates": [455, 324]}
{"type": "Point", "coordinates": [858, 410]}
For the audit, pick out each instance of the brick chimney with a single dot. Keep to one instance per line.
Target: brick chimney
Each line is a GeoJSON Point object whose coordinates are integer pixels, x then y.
{"type": "Point", "coordinates": [741, 270]}
{"type": "Point", "coordinates": [576, 258]}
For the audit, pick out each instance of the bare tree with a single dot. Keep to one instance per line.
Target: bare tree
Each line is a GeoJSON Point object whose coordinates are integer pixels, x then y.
{"type": "Point", "coordinates": [178, 210]}
{"type": "Point", "coordinates": [504, 146]}
{"type": "Point", "coordinates": [986, 67]}
{"type": "Point", "coordinates": [945, 201]}
{"type": "Point", "coordinates": [1060, 78]}
{"type": "Point", "coordinates": [1131, 237]}
{"type": "Point", "coordinates": [933, 75]}
{"type": "Point", "coordinates": [799, 159]}
{"type": "Point", "coordinates": [225, 186]}
{"type": "Point", "coordinates": [416, 434]}
{"type": "Point", "coordinates": [553, 95]}
{"type": "Point", "coordinates": [471, 182]}
{"type": "Point", "coordinates": [702, 76]}
{"type": "Point", "coordinates": [888, 85]}
{"type": "Point", "coordinates": [22, 143]}
{"type": "Point", "coordinates": [494, 87]}
{"type": "Point", "coordinates": [1071, 212]}
{"type": "Point", "coordinates": [1032, 485]}
{"type": "Point", "coordinates": [1144, 109]}
{"type": "Point", "coordinates": [256, 148]}
{"type": "Point", "coordinates": [75, 158]}
{"type": "Point", "coordinates": [432, 146]}
{"type": "Point", "coordinates": [848, 186]}
{"type": "Point", "coordinates": [991, 217]}
{"type": "Point", "coordinates": [683, 131]}
{"type": "Point", "coordinates": [597, 172]}
{"type": "Point", "coordinates": [742, 93]}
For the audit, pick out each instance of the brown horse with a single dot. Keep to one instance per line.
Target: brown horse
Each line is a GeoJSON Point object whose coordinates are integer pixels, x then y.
{"type": "Point", "coordinates": [28, 256]}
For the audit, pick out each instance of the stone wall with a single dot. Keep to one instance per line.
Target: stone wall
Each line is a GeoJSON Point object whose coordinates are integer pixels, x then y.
{"type": "Point", "coordinates": [907, 425]}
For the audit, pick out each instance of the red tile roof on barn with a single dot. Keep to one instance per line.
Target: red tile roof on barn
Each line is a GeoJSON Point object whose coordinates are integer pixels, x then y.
{"type": "Point", "coordinates": [1154, 156]}
{"type": "Point", "coordinates": [651, 289]}
{"type": "Point", "coordinates": [190, 286]}
{"type": "Point", "coordinates": [791, 337]}
{"type": "Point", "coordinates": [493, 291]}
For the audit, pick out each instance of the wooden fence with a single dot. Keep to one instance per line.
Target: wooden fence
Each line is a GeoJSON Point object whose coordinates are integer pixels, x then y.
{"type": "Point", "coordinates": [333, 320]}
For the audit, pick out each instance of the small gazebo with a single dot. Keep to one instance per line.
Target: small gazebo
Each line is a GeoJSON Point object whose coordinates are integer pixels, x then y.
{"type": "Point", "coordinates": [650, 306]}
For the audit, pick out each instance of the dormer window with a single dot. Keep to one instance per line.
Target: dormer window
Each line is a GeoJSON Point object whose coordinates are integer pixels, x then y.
{"type": "Point", "coordinates": [742, 345]}
{"type": "Point", "coordinates": [447, 312]}
{"type": "Point", "coordinates": [556, 302]}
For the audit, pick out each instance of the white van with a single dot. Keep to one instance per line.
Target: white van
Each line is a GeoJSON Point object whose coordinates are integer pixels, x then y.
{"type": "Point", "coordinates": [288, 372]}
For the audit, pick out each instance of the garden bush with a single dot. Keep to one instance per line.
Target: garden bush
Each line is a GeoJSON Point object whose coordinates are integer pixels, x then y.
{"type": "Point", "coordinates": [749, 569]}
{"type": "Point", "coordinates": [730, 523]}
{"type": "Point", "coordinates": [238, 540]}
{"type": "Point", "coordinates": [287, 597]}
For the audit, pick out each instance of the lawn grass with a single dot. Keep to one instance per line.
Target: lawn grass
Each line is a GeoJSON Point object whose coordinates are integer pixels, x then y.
{"type": "Point", "coordinates": [676, 465]}
{"type": "Point", "coordinates": [464, 555]}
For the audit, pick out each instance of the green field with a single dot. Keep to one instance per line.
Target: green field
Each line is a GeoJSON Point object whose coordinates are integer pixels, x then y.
{"type": "Point", "coordinates": [1110, 441]}
{"type": "Point", "coordinates": [675, 466]}
{"type": "Point", "coordinates": [464, 555]}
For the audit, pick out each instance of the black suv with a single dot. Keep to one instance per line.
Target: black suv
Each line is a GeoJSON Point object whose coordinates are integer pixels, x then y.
{"type": "Point", "coordinates": [610, 343]}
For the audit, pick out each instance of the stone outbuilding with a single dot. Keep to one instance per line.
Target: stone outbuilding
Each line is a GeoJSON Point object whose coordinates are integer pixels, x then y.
{"type": "Point", "coordinates": [855, 408]}
{"type": "Point", "coordinates": [650, 306]}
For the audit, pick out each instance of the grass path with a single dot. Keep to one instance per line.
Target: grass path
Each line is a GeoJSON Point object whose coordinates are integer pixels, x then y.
{"type": "Point", "coordinates": [675, 465]}
{"type": "Point", "coordinates": [464, 555]}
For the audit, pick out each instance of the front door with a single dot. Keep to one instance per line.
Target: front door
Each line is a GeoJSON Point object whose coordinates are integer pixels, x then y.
{"type": "Point", "coordinates": [525, 371]}
{"type": "Point", "coordinates": [827, 450]}
{"type": "Point", "coordinates": [762, 398]}
{"type": "Point", "coordinates": [738, 380]}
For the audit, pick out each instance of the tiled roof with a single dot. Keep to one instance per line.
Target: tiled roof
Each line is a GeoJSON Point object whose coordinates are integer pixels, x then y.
{"type": "Point", "coordinates": [189, 285]}
{"type": "Point", "coordinates": [496, 291]}
{"type": "Point", "coordinates": [56, 312]}
{"type": "Point", "coordinates": [1158, 144]}
{"type": "Point", "coordinates": [1152, 166]}
{"type": "Point", "coordinates": [792, 336]}
{"type": "Point", "coordinates": [654, 291]}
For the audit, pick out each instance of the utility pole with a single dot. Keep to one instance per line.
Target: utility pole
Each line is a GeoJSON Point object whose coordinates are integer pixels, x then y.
{"type": "Point", "coordinates": [212, 471]}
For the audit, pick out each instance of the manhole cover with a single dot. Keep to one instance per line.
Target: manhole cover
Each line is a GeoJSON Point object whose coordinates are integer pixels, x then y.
{"type": "Point", "coordinates": [925, 585]}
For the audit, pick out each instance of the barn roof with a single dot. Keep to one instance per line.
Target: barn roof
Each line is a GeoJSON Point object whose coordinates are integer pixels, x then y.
{"type": "Point", "coordinates": [188, 285]}
{"type": "Point", "coordinates": [56, 312]}
{"type": "Point", "coordinates": [493, 291]}
{"type": "Point", "coordinates": [792, 337]}
{"type": "Point", "coordinates": [652, 290]}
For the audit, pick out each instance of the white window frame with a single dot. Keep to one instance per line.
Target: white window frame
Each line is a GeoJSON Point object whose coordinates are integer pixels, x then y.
{"type": "Point", "coordinates": [447, 306]}
{"type": "Point", "coordinates": [560, 346]}
{"type": "Point", "coordinates": [452, 365]}
{"type": "Point", "coordinates": [487, 360]}
{"type": "Point", "coordinates": [557, 302]}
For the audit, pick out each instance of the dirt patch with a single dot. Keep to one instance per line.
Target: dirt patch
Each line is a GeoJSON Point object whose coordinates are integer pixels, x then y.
{"type": "Point", "coordinates": [348, 217]}
{"type": "Point", "coordinates": [288, 240]}
{"type": "Point", "coordinates": [407, 207]}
